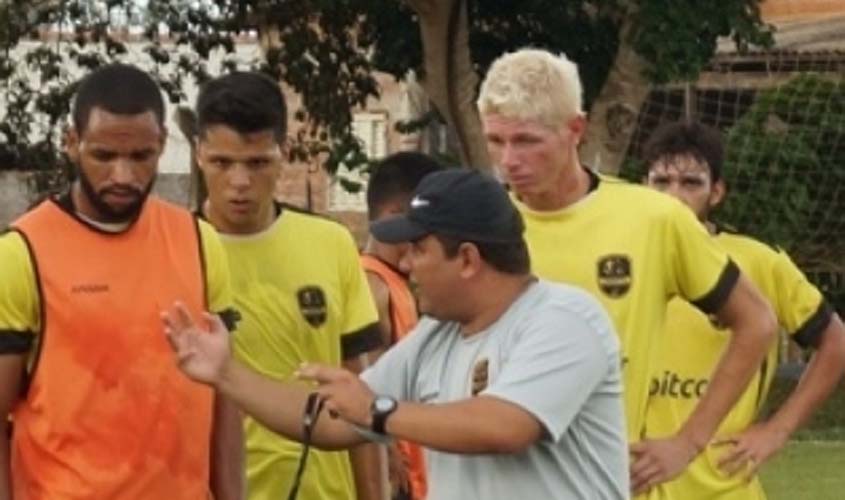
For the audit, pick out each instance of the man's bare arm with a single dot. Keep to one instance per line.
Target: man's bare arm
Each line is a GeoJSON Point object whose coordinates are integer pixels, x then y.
{"type": "Point", "coordinates": [381, 298]}
{"type": "Point", "coordinates": [227, 451]}
{"type": "Point", "coordinates": [753, 329]}
{"type": "Point", "coordinates": [11, 378]}
{"type": "Point", "coordinates": [753, 326]}
{"type": "Point", "coordinates": [205, 355]}
{"type": "Point", "coordinates": [754, 446]}
{"type": "Point", "coordinates": [368, 459]}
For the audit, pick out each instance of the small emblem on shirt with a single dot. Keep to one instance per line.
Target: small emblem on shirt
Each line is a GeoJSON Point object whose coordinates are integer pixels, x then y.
{"type": "Point", "coordinates": [89, 288]}
{"type": "Point", "coordinates": [614, 275]}
{"type": "Point", "coordinates": [480, 376]}
{"type": "Point", "coordinates": [312, 304]}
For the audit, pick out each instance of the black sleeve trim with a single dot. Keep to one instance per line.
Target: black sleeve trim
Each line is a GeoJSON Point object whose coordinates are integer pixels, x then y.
{"type": "Point", "coordinates": [761, 384]}
{"type": "Point", "coordinates": [35, 359]}
{"type": "Point", "coordinates": [716, 298]}
{"type": "Point", "coordinates": [811, 331]}
{"type": "Point", "coordinates": [364, 340]}
{"type": "Point", "coordinates": [230, 317]}
{"type": "Point", "coordinates": [15, 342]}
{"type": "Point", "coordinates": [203, 267]}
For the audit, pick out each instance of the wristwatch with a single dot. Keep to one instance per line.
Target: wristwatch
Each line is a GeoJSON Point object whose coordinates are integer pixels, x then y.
{"type": "Point", "coordinates": [382, 407]}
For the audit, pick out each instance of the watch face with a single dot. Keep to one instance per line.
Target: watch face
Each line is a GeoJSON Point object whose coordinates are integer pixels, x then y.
{"type": "Point", "coordinates": [383, 404]}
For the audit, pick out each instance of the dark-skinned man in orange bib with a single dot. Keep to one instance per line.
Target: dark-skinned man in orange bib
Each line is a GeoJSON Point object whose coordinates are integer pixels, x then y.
{"type": "Point", "coordinates": [98, 409]}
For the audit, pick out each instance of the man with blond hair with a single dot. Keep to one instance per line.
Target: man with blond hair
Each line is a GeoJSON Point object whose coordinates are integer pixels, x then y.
{"type": "Point", "coordinates": [632, 248]}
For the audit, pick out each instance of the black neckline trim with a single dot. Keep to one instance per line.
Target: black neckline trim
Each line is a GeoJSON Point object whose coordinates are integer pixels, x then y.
{"type": "Point", "coordinates": [595, 180]}
{"type": "Point", "coordinates": [279, 207]}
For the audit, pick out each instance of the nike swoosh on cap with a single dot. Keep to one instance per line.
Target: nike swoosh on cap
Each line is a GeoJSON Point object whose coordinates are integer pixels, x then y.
{"type": "Point", "coordinates": [418, 202]}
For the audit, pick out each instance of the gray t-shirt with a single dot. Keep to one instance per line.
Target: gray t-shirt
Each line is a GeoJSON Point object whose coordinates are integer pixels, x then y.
{"type": "Point", "coordinates": [555, 354]}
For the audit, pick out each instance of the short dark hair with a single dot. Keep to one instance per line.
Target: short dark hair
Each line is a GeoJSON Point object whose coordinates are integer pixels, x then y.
{"type": "Point", "coordinates": [510, 258]}
{"type": "Point", "coordinates": [693, 139]}
{"type": "Point", "coordinates": [397, 176]}
{"type": "Point", "coordinates": [247, 102]}
{"type": "Point", "coordinates": [117, 88]}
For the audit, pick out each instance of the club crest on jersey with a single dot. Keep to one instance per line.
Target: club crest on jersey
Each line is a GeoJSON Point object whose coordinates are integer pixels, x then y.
{"type": "Point", "coordinates": [312, 304]}
{"type": "Point", "coordinates": [614, 275]}
{"type": "Point", "coordinates": [480, 376]}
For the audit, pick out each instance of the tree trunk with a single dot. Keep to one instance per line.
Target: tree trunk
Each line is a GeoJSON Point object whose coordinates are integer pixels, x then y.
{"type": "Point", "coordinates": [450, 80]}
{"type": "Point", "coordinates": [613, 117]}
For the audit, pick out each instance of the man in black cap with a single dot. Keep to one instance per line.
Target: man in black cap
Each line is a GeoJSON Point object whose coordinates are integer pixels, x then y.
{"type": "Point", "coordinates": [513, 383]}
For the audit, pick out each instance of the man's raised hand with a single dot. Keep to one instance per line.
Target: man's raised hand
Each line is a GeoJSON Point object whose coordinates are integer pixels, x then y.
{"type": "Point", "coordinates": [202, 354]}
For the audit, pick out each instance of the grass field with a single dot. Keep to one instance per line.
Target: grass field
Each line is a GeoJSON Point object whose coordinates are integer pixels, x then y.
{"type": "Point", "coordinates": [812, 466]}
{"type": "Point", "coordinates": [807, 470]}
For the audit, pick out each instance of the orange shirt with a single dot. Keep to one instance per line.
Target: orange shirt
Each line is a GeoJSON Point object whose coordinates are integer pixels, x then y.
{"type": "Point", "coordinates": [107, 413]}
{"type": "Point", "coordinates": [403, 318]}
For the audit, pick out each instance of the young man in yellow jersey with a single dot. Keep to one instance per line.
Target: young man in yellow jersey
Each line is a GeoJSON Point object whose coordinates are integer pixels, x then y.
{"type": "Point", "coordinates": [98, 410]}
{"type": "Point", "coordinates": [630, 247]}
{"type": "Point", "coordinates": [389, 193]}
{"type": "Point", "coordinates": [685, 161]}
{"type": "Point", "coordinates": [296, 277]}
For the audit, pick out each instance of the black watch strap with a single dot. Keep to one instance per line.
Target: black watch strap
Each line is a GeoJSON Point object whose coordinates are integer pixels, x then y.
{"type": "Point", "coordinates": [380, 415]}
{"type": "Point", "coordinates": [380, 422]}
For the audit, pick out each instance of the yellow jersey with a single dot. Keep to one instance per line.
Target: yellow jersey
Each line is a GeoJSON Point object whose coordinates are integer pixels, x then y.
{"type": "Point", "coordinates": [634, 249]}
{"type": "Point", "coordinates": [303, 297]}
{"type": "Point", "coordinates": [694, 342]}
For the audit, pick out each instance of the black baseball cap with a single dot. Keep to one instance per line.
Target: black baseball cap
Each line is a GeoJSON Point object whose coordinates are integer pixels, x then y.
{"type": "Point", "coordinates": [462, 203]}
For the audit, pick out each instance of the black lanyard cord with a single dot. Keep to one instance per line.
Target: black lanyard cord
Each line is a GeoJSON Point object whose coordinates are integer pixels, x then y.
{"type": "Point", "coordinates": [313, 406]}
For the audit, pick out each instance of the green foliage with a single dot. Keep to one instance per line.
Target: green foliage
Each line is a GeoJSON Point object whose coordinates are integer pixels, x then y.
{"type": "Point", "coordinates": [318, 55]}
{"type": "Point", "coordinates": [678, 37]}
{"type": "Point", "coordinates": [785, 167]}
{"type": "Point", "coordinates": [785, 171]}
{"type": "Point", "coordinates": [326, 51]}
{"type": "Point", "coordinates": [586, 31]}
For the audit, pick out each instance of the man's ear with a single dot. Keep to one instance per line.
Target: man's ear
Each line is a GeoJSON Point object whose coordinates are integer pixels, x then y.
{"type": "Point", "coordinates": [199, 151]}
{"type": "Point", "coordinates": [717, 193]}
{"type": "Point", "coordinates": [470, 258]}
{"type": "Point", "coordinates": [577, 126]}
{"type": "Point", "coordinates": [162, 140]}
{"type": "Point", "coordinates": [71, 143]}
{"type": "Point", "coordinates": [284, 148]}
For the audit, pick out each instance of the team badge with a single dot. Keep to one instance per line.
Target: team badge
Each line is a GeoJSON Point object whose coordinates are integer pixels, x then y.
{"type": "Point", "coordinates": [614, 275]}
{"type": "Point", "coordinates": [312, 304]}
{"type": "Point", "coordinates": [480, 376]}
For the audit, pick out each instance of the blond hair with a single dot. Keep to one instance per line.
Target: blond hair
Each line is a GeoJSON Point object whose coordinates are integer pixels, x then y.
{"type": "Point", "coordinates": [532, 84]}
